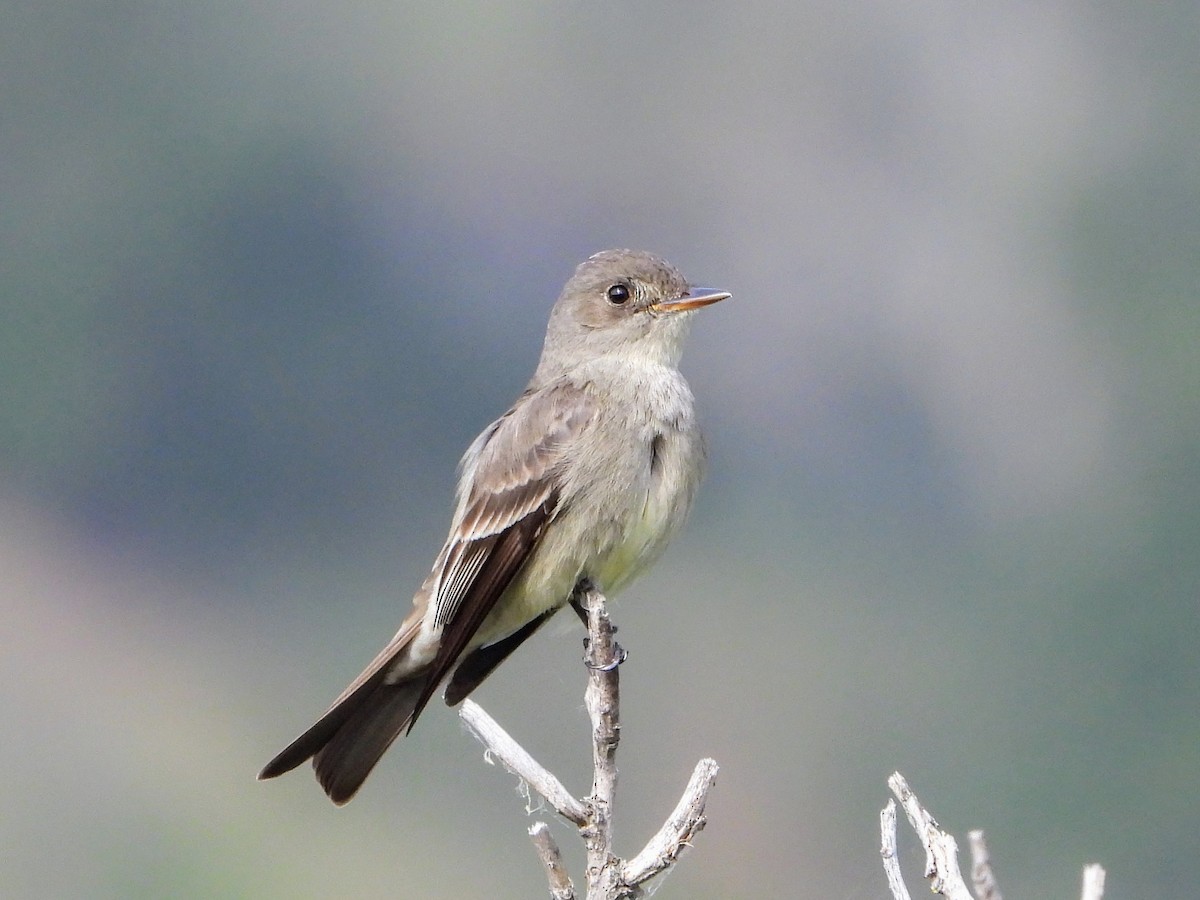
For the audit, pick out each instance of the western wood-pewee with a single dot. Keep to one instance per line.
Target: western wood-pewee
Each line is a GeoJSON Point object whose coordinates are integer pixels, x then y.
{"type": "Point", "coordinates": [587, 476]}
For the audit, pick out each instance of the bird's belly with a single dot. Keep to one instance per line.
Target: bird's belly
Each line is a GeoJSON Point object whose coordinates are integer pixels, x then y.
{"type": "Point", "coordinates": [645, 535]}
{"type": "Point", "coordinates": [549, 577]}
{"type": "Point", "coordinates": [606, 536]}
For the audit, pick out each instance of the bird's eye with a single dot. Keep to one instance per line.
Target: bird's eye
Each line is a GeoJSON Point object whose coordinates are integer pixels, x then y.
{"type": "Point", "coordinates": [618, 294]}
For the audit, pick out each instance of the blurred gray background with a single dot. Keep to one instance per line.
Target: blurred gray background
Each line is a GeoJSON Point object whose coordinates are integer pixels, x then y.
{"type": "Point", "coordinates": [268, 268]}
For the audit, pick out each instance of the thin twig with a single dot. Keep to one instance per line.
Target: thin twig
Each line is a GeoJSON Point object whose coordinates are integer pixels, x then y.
{"type": "Point", "coordinates": [1093, 882]}
{"type": "Point", "coordinates": [561, 887]}
{"type": "Point", "coordinates": [518, 761]}
{"type": "Point", "coordinates": [941, 854]}
{"type": "Point", "coordinates": [981, 868]}
{"type": "Point", "coordinates": [662, 850]}
{"type": "Point", "coordinates": [941, 851]}
{"type": "Point", "coordinates": [891, 856]}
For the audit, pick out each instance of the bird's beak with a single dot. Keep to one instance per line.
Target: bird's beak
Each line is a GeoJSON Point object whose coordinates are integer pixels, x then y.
{"type": "Point", "coordinates": [694, 299]}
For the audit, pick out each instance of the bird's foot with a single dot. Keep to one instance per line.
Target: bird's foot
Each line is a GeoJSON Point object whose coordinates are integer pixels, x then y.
{"type": "Point", "coordinates": [620, 654]}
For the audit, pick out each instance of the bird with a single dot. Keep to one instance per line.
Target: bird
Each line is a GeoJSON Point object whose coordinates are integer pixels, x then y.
{"type": "Point", "coordinates": [584, 480]}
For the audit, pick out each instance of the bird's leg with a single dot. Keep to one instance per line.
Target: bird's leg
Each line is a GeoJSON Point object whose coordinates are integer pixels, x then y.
{"type": "Point", "coordinates": [582, 588]}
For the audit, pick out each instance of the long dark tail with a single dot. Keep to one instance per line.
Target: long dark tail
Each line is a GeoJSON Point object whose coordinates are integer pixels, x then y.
{"type": "Point", "coordinates": [347, 742]}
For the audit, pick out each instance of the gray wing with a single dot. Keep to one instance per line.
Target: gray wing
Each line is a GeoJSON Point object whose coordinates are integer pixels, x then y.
{"type": "Point", "coordinates": [508, 494]}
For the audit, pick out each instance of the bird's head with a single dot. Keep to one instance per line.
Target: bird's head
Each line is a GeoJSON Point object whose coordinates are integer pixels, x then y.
{"type": "Point", "coordinates": [621, 302]}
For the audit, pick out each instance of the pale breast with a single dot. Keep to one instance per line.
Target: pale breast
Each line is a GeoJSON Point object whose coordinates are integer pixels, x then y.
{"type": "Point", "coordinates": [625, 493]}
{"type": "Point", "coordinates": [659, 500]}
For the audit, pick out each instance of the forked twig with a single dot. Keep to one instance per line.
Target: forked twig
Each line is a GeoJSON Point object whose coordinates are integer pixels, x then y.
{"type": "Point", "coordinates": [608, 876]}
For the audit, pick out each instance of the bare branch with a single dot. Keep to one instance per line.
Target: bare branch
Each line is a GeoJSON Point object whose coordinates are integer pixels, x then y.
{"type": "Point", "coordinates": [941, 851]}
{"type": "Point", "coordinates": [887, 849]}
{"type": "Point", "coordinates": [941, 854]}
{"type": "Point", "coordinates": [608, 876]}
{"type": "Point", "coordinates": [561, 887]}
{"type": "Point", "coordinates": [981, 868]}
{"type": "Point", "coordinates": [662, 850]}
{"type": "Point", "coordinates": [602, 698]}
{"type": "Point", "coordinates": [1093, 882]}
{"type": "Point", "coordinates": [518, 761]}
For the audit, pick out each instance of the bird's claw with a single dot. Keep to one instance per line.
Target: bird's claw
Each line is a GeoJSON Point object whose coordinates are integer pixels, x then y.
{"type": "Point", "coordinates": [621, 656]}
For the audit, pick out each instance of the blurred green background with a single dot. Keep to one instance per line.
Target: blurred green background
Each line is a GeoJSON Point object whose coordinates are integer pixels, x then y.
{"type": "Point", "coordinates": [268, 268]}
